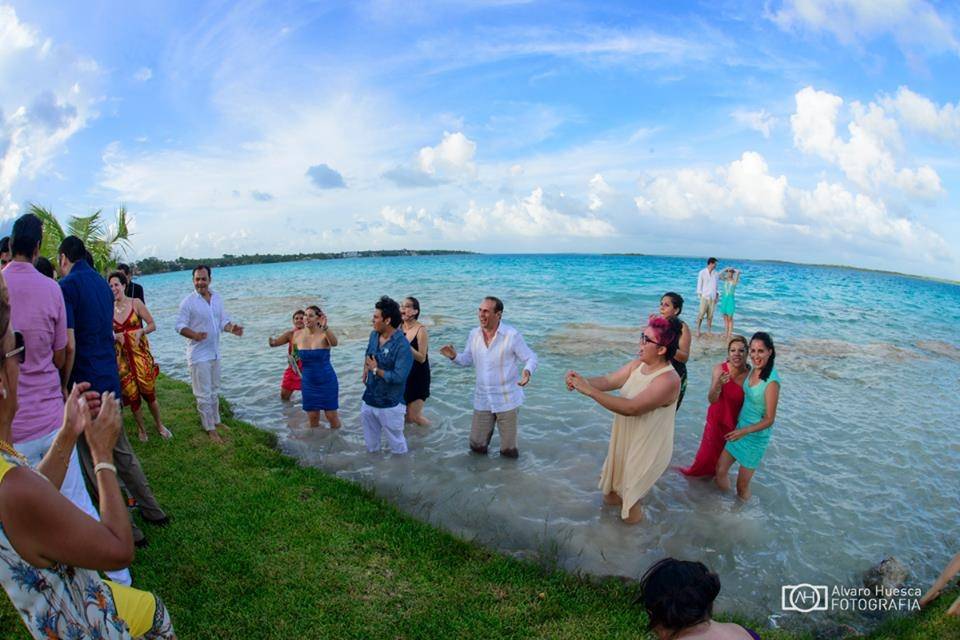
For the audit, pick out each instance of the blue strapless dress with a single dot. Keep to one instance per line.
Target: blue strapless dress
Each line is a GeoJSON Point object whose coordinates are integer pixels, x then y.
{"type": "Point", "coordinates": [320, 388]}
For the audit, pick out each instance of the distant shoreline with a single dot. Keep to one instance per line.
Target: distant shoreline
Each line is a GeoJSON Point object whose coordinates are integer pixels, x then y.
{"type": "Point", "coordinates": [149, 266]}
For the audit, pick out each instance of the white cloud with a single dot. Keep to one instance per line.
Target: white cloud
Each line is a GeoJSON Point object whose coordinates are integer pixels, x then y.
{"type": "Point", "coordinates": [867, 157]}
{"type": "Point", "coordinates": [45, 98]}
{"type": "Point", "coordinates": [143, 74]}
{"type": "Point", "coordinates": [922, 114]}
{"type": "Point", "coordinates": [914, 24]}
{"type": "Point", "coordinates": [757, 120]}
{"type": "Point", "coordinates": [744, 193]}
{"type": "Point", "coordinates": [453, 156]}
{"type": "Point", "coordinates": [527, 217]}
{"type": "Point", "coordinates": [599, 189]}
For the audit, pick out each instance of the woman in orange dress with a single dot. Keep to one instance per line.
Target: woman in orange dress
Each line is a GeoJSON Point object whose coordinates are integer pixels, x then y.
{"type": "Point", "coordinates": [138, 371]}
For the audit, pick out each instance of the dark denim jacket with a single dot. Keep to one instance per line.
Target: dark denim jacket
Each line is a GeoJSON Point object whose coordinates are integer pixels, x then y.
{"type": "Point", "coordinates": [395, 359]}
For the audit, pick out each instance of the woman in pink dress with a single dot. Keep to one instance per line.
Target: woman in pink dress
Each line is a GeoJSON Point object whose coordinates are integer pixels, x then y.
{"type": "Point", "coordinates": [726, 399]}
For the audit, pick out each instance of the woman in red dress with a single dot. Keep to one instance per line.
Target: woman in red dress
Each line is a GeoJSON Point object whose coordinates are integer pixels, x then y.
{"type": "Point", "coordinates": [138, 370]}
{"type": "Point", "coordinates": [291, 379]}
{"type": "Point", "coordinates": [726, 399]}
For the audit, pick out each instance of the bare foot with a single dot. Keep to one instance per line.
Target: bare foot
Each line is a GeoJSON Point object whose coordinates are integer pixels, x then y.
{"type": "Point", "coordinates": [214, 436]}
{"type": "Point", "coordinates": [634, 518]}
{"type": "Point", "coordinates": [165, 433]}
{"type": "Point", "coordinates": [142, 434]}
{"type": "Point", "coordinates": [612, 499]}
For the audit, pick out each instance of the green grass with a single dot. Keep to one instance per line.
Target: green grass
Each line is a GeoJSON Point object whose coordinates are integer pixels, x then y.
{"type": "Point", "coordinates": [263, 548]}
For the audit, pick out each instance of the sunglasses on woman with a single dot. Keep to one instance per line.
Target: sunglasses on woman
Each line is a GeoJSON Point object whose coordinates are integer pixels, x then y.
{"type": "Point", "coordinates": [644, 339]}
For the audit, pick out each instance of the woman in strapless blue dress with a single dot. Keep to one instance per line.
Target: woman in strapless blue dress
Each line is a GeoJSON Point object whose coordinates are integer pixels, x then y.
{"type": "Point", "coordinates": [320, 390]}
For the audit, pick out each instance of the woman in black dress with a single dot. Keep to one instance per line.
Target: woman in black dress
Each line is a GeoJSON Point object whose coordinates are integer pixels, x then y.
{"type": "Point", "coordinates": [418, 382]}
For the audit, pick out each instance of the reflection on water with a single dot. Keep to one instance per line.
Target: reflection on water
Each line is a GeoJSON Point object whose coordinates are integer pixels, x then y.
{"type": "Point", "coordinates": [863, 462]}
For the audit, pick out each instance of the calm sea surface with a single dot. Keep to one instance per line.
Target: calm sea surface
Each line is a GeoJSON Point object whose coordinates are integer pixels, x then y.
{"type": "Point", "coordinates": [864, 461]}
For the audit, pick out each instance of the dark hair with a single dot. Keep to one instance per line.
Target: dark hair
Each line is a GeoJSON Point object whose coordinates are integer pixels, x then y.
{"type": "Point", "coordinates": [72, 247]}
{"type": "Point", "coordinates": [298, 312]}
{"type": "Point", "coordinates": [416, 305]}
{"type": "Point", "coordinates": [711, 261]}
{"type": "Point", "coordinates": [119, 275]}
{"type": "Point", "coordinates": [678, 594]}
{"type": "Point", "coordinates": [125, 268]}
{"type": "Point", "coordinates": [44, 266]}
{"type": "Point", "coordinates": [497, 303]}
{"type": "Point", "coordinates": [675, 299]}
{"type": "Point", "coordinates": [88, 258]}
{"type": "Point", "coordinates": [390, 310]}
{"type": "Point", "coordinates": [202, 266]}
{"type": "Point", "coordinates": [4, 244]}
{"type": "Point", "coordinates": [668, 332]}
{"type": "Point", "coordinates": [4, 307]}
{"type": "Point", "coordinates": [317, 310]}
{"type": "Point", "coordinates": [26, 235]}
{"type": "Point", "coordinates": [767, 341]}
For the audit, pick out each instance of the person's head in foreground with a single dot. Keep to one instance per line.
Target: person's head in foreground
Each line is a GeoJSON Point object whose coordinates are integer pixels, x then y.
{"type": "Point", "coordinates": [312, 318]}
{"type": "Point", "coordinates": [386, 315]}
{"type": "Point", "coordinates": [5, 256]}
{"type": "Point", "coordinates": [660, 339]}
{"type": "Point", "coordinates": [678, 597]}
{"type": "Point", "coordinates": [50, 550]}
{"type": "Point", "coordinates": [711, 264]}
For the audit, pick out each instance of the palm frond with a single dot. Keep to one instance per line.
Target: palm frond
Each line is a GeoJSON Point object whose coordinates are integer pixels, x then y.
{"type": "Point", "coordinates": [53, 233]}
{"type": "Point", "coordinates": [87, 228]}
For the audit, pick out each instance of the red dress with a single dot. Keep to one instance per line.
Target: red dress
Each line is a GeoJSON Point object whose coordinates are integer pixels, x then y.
{"type": "Point", "coordinates": [721, 419]}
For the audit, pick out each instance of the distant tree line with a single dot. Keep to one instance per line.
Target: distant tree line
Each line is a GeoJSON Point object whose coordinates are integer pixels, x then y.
{"type": "Point", "coordinates": [156, 265]}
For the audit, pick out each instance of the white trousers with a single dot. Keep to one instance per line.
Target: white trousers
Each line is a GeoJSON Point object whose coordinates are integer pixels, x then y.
{"type": "Point", "coordinates": [389, 421]}
{"type": "Point", "coordinates": [73, 487]}
{"type": "Point", "coordinates": [205, 379]}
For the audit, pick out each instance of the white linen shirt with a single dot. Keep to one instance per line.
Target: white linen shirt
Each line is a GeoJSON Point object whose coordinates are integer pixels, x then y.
{"type": "Point", "coordinates": [497, 372]}
{"type": "Point", "coordinates": [707, 283]}
{"type": "Point", "coordinates": [201, 316]}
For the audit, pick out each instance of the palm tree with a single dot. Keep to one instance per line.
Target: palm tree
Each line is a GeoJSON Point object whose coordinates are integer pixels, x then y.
{"type": "Point", "coordinates": [102, 242]}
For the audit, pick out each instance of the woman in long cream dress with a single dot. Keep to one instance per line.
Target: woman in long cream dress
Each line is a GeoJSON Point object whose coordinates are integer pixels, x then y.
{"type": "Point", "coordinates": [641, 441]}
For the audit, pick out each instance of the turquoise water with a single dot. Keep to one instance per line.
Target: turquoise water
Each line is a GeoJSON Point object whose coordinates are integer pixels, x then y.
{"type": "Point", "coordinates": [864, 461]}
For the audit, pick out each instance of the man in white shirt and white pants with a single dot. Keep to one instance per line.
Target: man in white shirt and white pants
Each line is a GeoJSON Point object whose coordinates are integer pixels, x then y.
{"type": "Point", "coordinates": [495, 348]}
{"type": "Point", "coordinates": [201, 320]}
{"type": "Point", "coordinates": [707, 291]}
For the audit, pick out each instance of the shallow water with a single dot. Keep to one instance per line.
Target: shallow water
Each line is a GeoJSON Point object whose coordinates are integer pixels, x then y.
{"type": "Point", "coordinates": [864, 461]}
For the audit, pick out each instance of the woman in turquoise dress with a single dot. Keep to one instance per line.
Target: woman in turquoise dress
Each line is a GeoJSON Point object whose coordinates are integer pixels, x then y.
{"type": "Point", "coordinates": [729, 280]}
{"type": "Point", "coordinates": [747, 443]}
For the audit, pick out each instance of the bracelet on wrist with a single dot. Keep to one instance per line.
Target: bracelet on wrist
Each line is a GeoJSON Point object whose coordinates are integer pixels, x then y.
{"type": "Point", "coordinates": [101, 466]}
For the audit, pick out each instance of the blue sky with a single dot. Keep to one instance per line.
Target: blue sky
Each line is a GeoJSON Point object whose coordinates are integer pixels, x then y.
{"type": "Point", "coordinates": [802, 130]}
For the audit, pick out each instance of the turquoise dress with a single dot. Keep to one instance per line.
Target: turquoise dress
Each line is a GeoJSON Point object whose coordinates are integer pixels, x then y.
{"type": "Point", "coordinates": [749, 449]}
{"type": "Point", "coordinates": [727, 305]}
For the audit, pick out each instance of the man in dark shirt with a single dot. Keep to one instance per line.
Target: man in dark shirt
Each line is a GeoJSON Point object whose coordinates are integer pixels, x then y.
{"type": "Point", "coordinates": [133, 289]}
{"type": "Point", "coordinates": [385, 372]}
{"type": "Point", "coordinates": [89, 304]}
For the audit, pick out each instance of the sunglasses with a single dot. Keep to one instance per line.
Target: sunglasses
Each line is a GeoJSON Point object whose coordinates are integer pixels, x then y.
{"type": "Point", "coordinates": [644, 340]}
{"type": "Point", "coordinates": [20, 350]}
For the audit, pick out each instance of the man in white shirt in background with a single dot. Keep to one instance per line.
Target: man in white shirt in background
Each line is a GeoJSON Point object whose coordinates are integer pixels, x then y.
{"type": "Point", "coordinates": [201, 320]}
{"type": "Point", "coordinates": [495, 348]}
{"type": "Point", "coordinates": [708, 293]}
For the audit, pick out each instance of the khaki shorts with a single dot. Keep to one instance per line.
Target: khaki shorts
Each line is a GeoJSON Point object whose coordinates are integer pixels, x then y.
{"type": "Point", "coordinates": [707, 305]}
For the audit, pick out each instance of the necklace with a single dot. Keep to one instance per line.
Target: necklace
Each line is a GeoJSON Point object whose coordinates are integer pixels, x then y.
{"type": "Point", "coordinates": [6, 447]}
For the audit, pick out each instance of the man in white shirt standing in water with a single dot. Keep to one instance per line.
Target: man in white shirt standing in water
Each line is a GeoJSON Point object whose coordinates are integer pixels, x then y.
{"type": "Point", "coordinates": [495, 348]}
{"type": "Point", "coordinates": [708, 293]}
{"type": "Point", "coordinates": [201, 320]}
